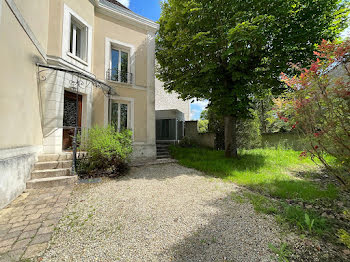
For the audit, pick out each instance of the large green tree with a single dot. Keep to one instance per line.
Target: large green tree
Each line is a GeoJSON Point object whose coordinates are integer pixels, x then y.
{"type": "Point", "coordinates": [231, 51]}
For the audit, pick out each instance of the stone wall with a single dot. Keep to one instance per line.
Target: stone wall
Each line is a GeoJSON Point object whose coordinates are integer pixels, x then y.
{"type": "Point", "coordinates": [15, 167]}
{"type": "Point", "coordinates": [202, 139]}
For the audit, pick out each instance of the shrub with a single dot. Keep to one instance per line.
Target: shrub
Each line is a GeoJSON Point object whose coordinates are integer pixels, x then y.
{"type": "Point", "coordinates": [203, 126]}
{"type": "Point", "coordinates": [249, 135]}
{"type": "Point", "coordinates": [248, 130]}
{"type": "Point", "coordinates": [108, 151]}
{"type": "Point", "coordinates": [344, 237]}
{"type": "Point", "coordinates": [318, 105]}
{"type": "Point", "coordinates": [187, 142]}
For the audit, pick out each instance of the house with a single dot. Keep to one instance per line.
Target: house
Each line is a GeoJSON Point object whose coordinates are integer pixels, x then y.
{"type": "Point", "coordinates": [171, 114]}
{"type": "Point", "coordinates": [67, 64]}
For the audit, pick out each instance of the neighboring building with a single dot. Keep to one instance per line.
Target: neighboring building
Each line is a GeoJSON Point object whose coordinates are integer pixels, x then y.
{"type": "Point", "coordinates": [170, 125]}
{"type": "Point", "coordinates": [96, 53]}
{"type": "Point", "coordinates": [171, 114]}
{"type": "Point", "coordinates": [168, 101]}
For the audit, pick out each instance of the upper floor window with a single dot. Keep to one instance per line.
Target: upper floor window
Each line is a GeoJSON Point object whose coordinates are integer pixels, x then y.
{"type": "Point", "coordinates": [78, 39]}
{"type": "Point", "coordinates": [119, 70]}
{"type": "Point", "coordinates": [119, 61]}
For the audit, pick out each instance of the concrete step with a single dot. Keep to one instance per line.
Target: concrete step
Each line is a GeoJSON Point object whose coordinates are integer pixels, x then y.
{"type": "Point", "coordinates": [163, 157]}
{"type": "Point", "coordinates": [162, 146]}
{"type": "Point", "coordinates": [163, 154]}
{"type": "Point", "coordinates": [53, 165]}
{"type": "Point", "coordinates": [38, 174]}
{"type": "Point", "coordinates": [55, 157]}
{"type": "Point", "coordinates": [51, 182]}
{"type": "Point", "coordinates": [160, 142]}
{"type": "Point", "coordinates": [162, 151]}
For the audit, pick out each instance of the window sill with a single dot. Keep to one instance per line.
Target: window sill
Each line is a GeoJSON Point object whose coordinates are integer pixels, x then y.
{"type": "Point", "coordinates": [119, 83]}
{"type": "Point", "coordinates": [77, 59]}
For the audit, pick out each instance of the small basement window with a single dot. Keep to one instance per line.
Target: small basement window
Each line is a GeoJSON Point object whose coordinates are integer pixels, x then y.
{"type": "Point", "coordinates": [78, 39]}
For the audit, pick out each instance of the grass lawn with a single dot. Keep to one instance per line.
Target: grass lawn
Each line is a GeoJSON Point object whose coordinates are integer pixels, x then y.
{"type": "Point", "coordinates": [267, 171]}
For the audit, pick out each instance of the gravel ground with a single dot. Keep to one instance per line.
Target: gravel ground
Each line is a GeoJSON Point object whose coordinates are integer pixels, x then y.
{"type": "Point", "coordinates": [161, 213]}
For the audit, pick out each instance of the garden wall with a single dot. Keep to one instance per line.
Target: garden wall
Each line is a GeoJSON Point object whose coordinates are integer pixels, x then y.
{"type": "Point", "coordinates": [284, 140]}
{"type": "Point", "coordinates": [202, 139]}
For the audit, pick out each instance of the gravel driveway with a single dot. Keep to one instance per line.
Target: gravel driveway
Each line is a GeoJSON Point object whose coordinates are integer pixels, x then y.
{"type": "Point", "coordinates": [160, 213]}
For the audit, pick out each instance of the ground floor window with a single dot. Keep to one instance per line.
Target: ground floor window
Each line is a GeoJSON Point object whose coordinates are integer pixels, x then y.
{"type": "Point", "coordinates": [120, 113]}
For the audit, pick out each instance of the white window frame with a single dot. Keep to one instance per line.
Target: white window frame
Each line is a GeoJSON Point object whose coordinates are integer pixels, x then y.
{"type": "Point", "coordinates": [120, 100]}
{"type": "Point", "coordinates": [120, 50]}
{"type": "Point", "coordinates": [71, 58]}
{"type": "Point", "coordinates": [83, 39]}
{"type": "Point", "coordinates": [120, 46]}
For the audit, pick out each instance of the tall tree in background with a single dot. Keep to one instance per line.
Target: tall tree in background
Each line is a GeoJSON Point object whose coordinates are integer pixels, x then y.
{"type": "Point", "coordinates": [230, 51]}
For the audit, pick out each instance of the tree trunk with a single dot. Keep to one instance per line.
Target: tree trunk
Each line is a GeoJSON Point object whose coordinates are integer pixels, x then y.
{"type": "Point", "coordinates": [230, 136]}
{"type": "Point", "coordinates": [262, 117]}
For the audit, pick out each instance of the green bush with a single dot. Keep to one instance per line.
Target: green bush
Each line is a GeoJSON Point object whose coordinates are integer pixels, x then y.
{"type": "Point", "coordinates": [344, 237]}
{"type": "Point", "coordinates": [248, 130]}
{"type": "Point", "coordinates": [249, 135]}
{"type": "Point", "coordinates": [203, 126]}
{"type": "Point", "coordinates": [108, 151]}
{"type": "Point", "coordinates": [187, 142]}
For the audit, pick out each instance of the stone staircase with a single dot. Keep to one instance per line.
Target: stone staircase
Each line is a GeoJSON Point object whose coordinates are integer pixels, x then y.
{"type": "Point", "coordinates": [52, 170]}
{"type": "Point", "coordinates": [163, 150]}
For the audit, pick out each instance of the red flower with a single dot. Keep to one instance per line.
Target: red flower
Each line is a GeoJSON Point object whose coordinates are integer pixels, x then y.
{"type": "Point", "coordinates": [316, 134]}
{"type": "Point", "coordinates": [316, 147]}
{"type": "Point", "coordinates": [293, 126]}
{"type": "Point", "coordinates": [303, 154]}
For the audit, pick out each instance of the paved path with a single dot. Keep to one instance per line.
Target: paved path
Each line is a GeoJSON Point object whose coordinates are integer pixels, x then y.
{"type": "Point", "coordinates": [160, 213]}
{"type": "Point", "coordinates": [27, 224]}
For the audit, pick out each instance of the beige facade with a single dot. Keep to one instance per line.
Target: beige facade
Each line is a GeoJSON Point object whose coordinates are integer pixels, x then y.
{"type": "Point", "coordinates": [76, 36]}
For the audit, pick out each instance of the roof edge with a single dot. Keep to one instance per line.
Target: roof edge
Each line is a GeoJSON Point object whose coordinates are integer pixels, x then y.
{"type": "Point", "coordinates": [126, 15]}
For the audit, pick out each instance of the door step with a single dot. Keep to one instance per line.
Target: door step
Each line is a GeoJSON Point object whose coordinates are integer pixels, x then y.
{"type": "Point", "coordinates": [51, 182]}
{"type": "Point", "coordinates": [37, 174]}
{"type": "Point", "coordinates": [55, 157]}
{"type": "Point", "coordinates": [52, 170]}
{"type": "Point", "coordinates": [53, 165]}
{"type": "Point", "coordinates": [163, 151]}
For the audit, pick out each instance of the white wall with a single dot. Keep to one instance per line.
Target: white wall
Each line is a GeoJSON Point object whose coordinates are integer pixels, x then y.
{"type": "Point", "coordinates": [166, 101]}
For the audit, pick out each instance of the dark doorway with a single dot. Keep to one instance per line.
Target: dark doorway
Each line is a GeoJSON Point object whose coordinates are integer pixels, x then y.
{"type": "Point", "coordinates": [69, 118]}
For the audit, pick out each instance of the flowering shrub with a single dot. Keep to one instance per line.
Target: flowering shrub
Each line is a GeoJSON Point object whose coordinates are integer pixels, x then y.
{"type": "Point", "coordinates": [317, 104]}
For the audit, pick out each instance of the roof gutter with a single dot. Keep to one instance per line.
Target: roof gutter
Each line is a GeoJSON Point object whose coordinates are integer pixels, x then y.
{"type": "Point", "coordinates": [125, 15]}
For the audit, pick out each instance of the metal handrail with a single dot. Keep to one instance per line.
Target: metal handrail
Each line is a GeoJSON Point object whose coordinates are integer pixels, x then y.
{"type": "Point", "coordinates": [120, 76]}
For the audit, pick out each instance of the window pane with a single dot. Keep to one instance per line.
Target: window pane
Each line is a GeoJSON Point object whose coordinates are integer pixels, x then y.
{"type": "Point", "coordinates": [123, 117]}
{"type": "Point", "coordinates": [114, 115]}
{"type": "Point", "coordinates": [115, 62]}
{"type": "Point", "coordinates": [78, 43]}
{"type": "Point", "coordinates": [71, 39]}
{"type": "Point", "coordinates": [165, 129]}
{"type": "Point", "coordinates": [124, 67]}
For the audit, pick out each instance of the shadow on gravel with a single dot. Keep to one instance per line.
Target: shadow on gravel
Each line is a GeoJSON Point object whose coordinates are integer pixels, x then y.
{"type": "Point", "coordinates": [236, 233]}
